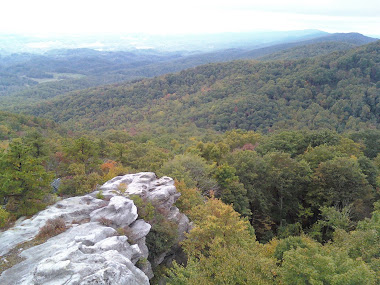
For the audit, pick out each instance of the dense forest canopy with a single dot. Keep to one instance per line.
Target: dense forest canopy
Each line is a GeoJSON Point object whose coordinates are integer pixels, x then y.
{"type": "Point", "coordinates": [296, 189]}
{"type": "Point", "coordinates": [339, 91]}
{"type": "Point", "coordinates": [29, 78]}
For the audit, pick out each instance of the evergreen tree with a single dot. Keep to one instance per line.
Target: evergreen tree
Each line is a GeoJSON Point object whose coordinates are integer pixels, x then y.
{"type": "Point", "coordinates": [23, 180]}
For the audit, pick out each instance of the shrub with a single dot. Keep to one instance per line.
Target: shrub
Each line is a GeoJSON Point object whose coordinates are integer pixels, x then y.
{"type": "Point", "coordinates": [29, 207]}
{"type": "Point", "coordinates": [79, 184]}
{"type": "Point", "coordinates": [145, 209]}
{"type": "Point", "coordinates": [4, 217]}
{"type": "Point", "coordinates": [163, 233]}
{"type": "Point", "coordinates": [122, 187]}
{"type": "Point", "coordinates": [161, 237]}
{"type": "Point", "coordinates": [52, 228]}
{"type": "Point", "coordinates": [126, 231]}
{"type": "Point", "coordinates": [100, 195]}
{"type": "Point", "coordinates": [141, 262]}
{"type": "Point", "coordinates": [105, 222]}
{"type": "Point", "coordinates": [190, 198]}
{"type": "Point", "coordinates": [120, 231]}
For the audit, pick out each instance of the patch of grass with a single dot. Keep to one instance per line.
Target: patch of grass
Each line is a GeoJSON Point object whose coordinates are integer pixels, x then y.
{"type": "Point", "coordinates": [80, 222]}
{"type": "Point", "coordinates": [100, 195]}
{"type": "Point", "coordinates": [126, 231]}
{"type": "Point", "coordinates": [122, 187]}
{"type": "Point", "coordinates": [145, 208]}
{"type": "Point", "coordinates": [105, 222]}
{"type": "Point", "coordinates": [13, 256]}
{"type": "Point", "coordinates": [141, 262]}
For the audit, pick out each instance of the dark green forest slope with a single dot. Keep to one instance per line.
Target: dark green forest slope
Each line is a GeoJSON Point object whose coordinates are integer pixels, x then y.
{"type": "Point", "coordinates": [29, 78]}
{"type": "Point", "coordinates": [307, 51]}
{"type": "Point", "coordinates": [316, 46]}
{"type": "Point", "coordinates": [339, 91]}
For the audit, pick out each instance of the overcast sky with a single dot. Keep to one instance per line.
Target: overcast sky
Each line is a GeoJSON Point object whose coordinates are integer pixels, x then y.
{"type": "Point", "coordinates": [195, 16]}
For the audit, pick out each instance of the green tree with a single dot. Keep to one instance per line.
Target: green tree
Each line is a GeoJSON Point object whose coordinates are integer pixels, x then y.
{"type": "Point", "coordinates": [317, 264]}
{"type": "Point", "coordinates": [77, 181]}
{"type": "Point", "coordinates": [23, 180]}
{"type": "Point", "coordinates": [222, 250]}
{"type": "Point", "coordinates": [216, 222]}
{"type": "Point", "coordinates": [292, 142]}
{"type": "Point", "coordinates": [371, 140]}
{"type": "Point", "coordinates": [36, 142]}
{"type": "Point", "coordinates": [287, 180]}
{"type": "Point", "coordinates": [363, 242]}
{"type": "Point", "coordinates": [251, 170]}
{"type": "Point", "coordinates": [332, 219]}
{"type": "Point", "coordinates": [339, 181]}
{"type": "Point", "coordinates": [369, 169]}
{"type": "Point", "coordinates": [315, 155]}
{"type": "Point", "coordinates": [238, 138]}
{"type": "Point", "coordinates": [192, 170]}
{"type": "Point", "coordinates": [145, 156]}
{"type": "Point", "coordinates": [190, 198]}
{"type": "Point", "coordinates": [226, 265]}
{"type": "Point", "coordinates": [84, 150]}
{"type": "Point", "coordinates": [213, 152]}
{"type": "Point", "coordinates": [231, 190]}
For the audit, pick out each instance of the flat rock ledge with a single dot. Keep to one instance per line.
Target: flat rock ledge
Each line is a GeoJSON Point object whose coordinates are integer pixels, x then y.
{"type": "Point", "coordinates": [92, 250]}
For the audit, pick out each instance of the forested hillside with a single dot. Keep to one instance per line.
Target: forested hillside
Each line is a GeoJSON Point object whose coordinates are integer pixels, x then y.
{"type": "Point", "coordinates": [339, 91]}
{"type": "Point", "coordinates": [27, 78]}
{"type": "Point", "coordinates": [317, 46]}
{"type": "Point", "coordinates": [74, 69]}
{"type": "Point", "coordinates": [307, 51]}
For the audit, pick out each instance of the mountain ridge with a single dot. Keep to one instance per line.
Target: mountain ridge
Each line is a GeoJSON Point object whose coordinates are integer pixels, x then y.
{"type": "Point", "coordinates": [25, 80]}
{"type": "Point", "coordinates": [239, 94]}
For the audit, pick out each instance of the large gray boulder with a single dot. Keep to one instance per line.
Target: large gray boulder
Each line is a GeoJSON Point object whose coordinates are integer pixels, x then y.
{"type": "Point", "coordinates": [93, 249]}
{"type": "Point", "coordinates": [120, 212]}
{"type": "Point", "coordinates": [160, 191]}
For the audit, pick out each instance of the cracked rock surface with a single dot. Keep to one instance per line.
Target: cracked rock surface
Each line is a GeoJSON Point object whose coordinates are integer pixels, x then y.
{"type": "Point", "coordinates": [92, 250]}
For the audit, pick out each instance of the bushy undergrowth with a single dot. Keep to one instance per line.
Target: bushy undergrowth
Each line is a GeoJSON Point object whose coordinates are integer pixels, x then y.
{"type": "Point", "coordinates": [163, 233]}
{"type": "Point", "coordinates": [52, 228]}
{"type": "Point", "coordinates": [161, 237]}
{"type": "Point", "coordinates": [4, 216]}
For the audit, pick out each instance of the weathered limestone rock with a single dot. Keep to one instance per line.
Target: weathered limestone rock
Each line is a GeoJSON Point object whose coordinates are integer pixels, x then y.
{"type": "Point", "coordinates": [160, 191]}
{"type": "Point", "coordinates": [72, 209]}
{"type": "Point", "coordinates": [139, 229]}
{"type": "Point", "coordinates": [120, 212]}
{"type": "Point", "coordinates": [93, 250]}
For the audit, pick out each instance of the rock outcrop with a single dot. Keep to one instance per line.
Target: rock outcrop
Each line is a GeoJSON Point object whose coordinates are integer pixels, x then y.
{"type": "Point", "coordinates": [93, 249]}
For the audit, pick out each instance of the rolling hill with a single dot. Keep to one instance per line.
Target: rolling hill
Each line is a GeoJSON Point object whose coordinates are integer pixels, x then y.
{"type": "Point", "coordinates": [339, 91]}
{"type": "Point", "coordinates": [27, 78]}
